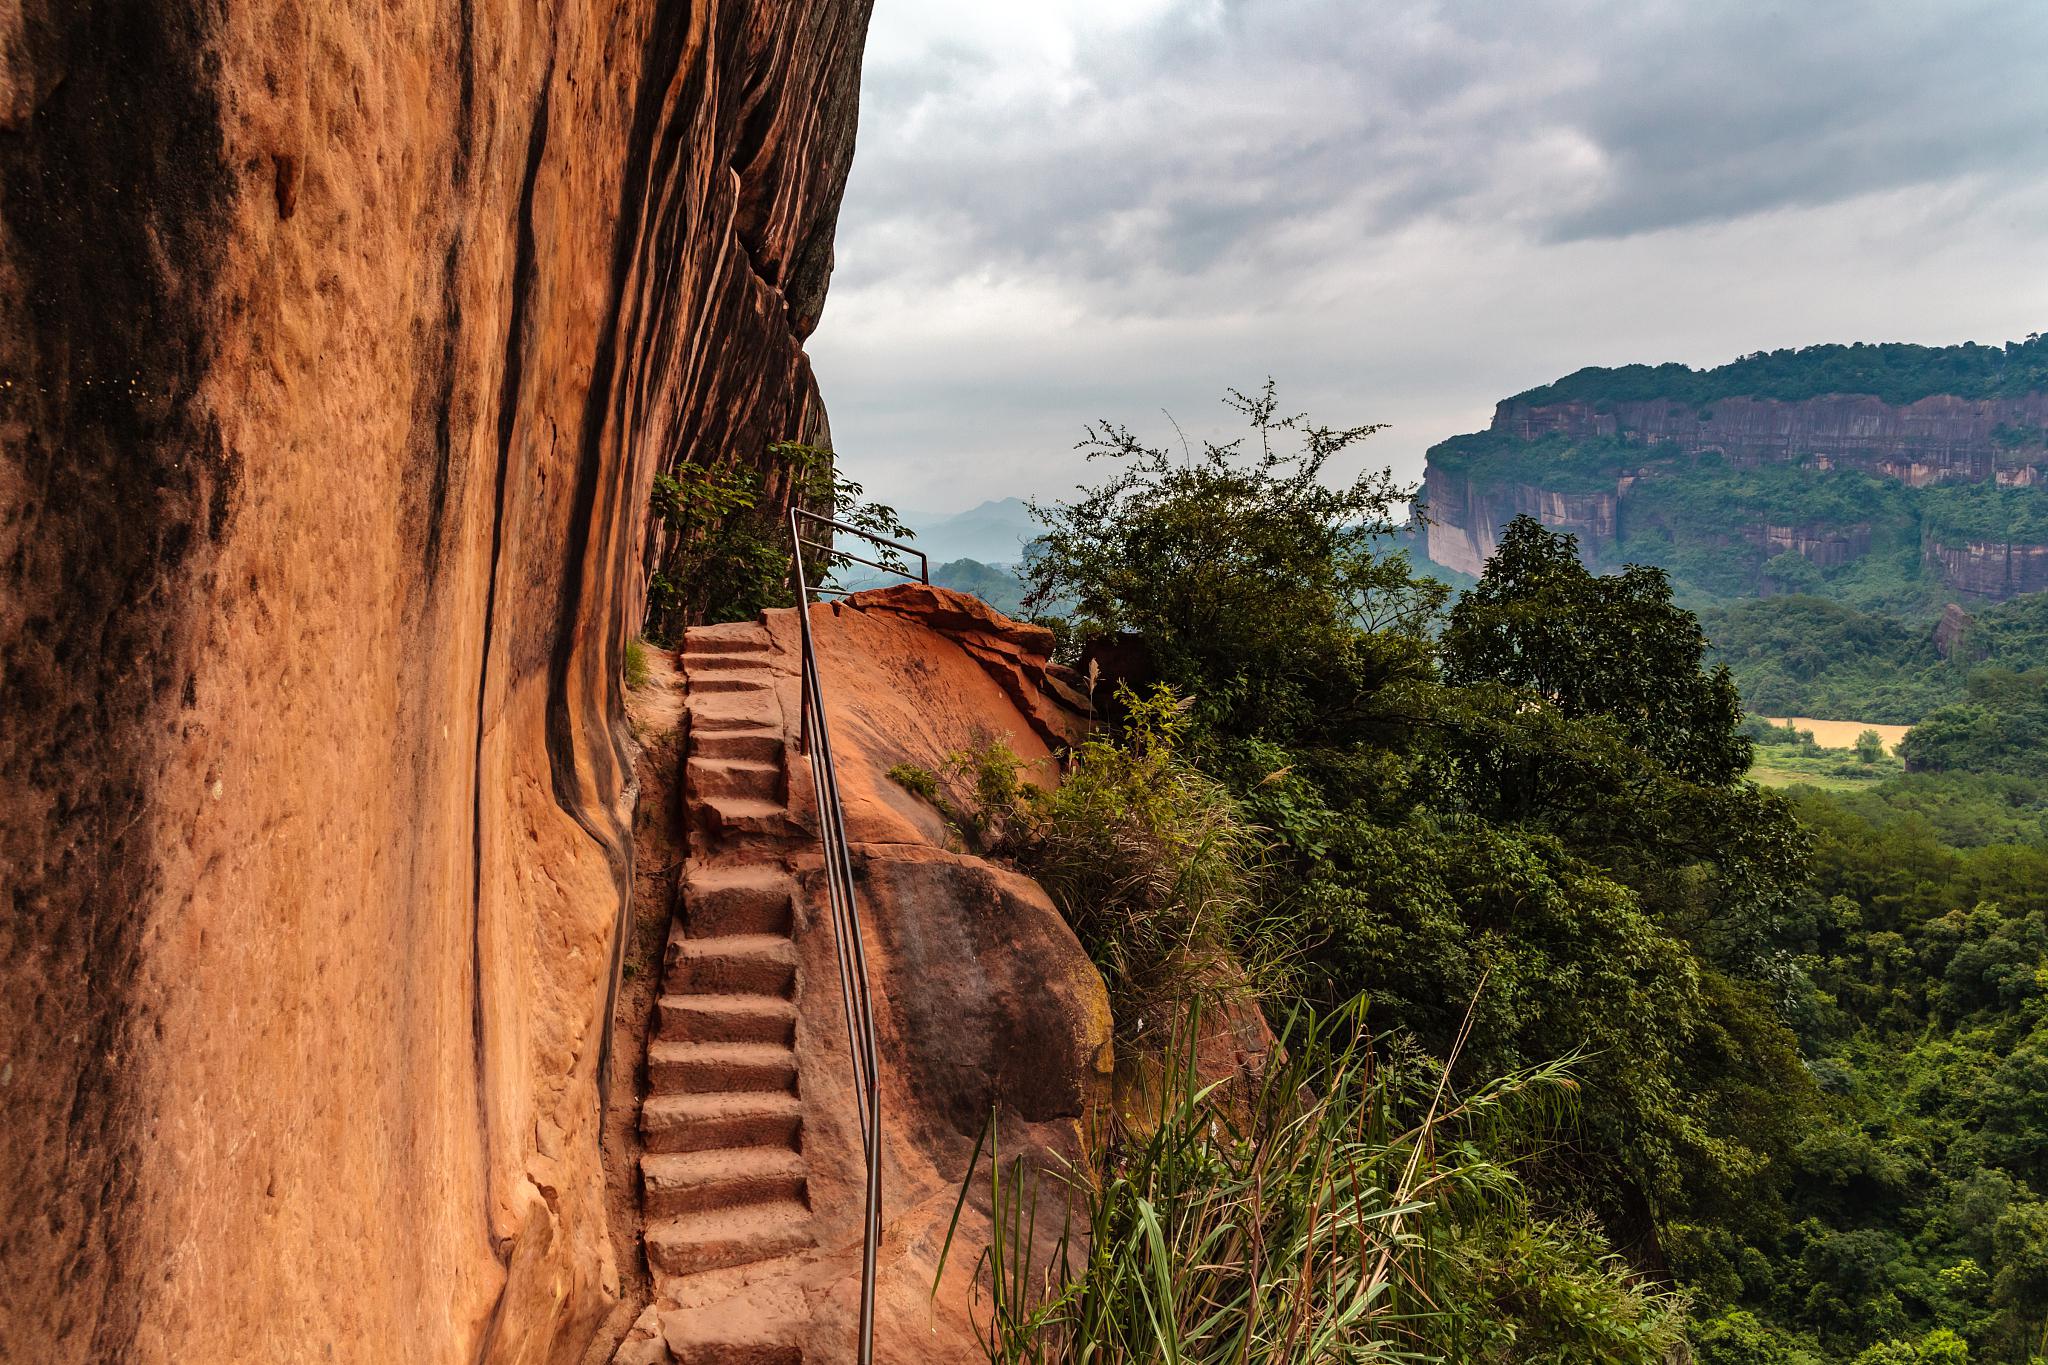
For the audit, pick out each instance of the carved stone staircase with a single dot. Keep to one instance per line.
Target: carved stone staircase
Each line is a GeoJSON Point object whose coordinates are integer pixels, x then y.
{"type": "Point", "coordinates": [723, 1182]}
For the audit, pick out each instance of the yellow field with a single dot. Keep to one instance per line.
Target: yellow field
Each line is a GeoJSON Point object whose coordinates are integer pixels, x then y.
{"type": "Point", "coordinates": [1841, 734]}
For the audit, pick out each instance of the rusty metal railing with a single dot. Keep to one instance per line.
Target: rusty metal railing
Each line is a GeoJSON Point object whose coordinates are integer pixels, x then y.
{"type": "Point", "coordinates": [815, 742]}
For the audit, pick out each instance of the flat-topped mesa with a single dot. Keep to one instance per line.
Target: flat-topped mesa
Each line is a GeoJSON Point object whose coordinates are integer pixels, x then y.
{"type": "Point", "coordinates": [1917, 458]}
{"type": "Point", "coordinates": [1928, 441]}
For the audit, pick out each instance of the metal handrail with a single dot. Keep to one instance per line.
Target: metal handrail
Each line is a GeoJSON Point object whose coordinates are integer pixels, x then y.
{"type": "Point", "coordinates": [814, 740]}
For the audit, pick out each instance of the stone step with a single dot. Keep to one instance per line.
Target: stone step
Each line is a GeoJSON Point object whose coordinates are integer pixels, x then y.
{"type": "Point", "coordinates": [731, 1350]}
{"type": "Point", "coordinates": [702, 684]}
{"type": "Point", "coordinates": [754, 899]}
{"type": "Point", "coordinates": [756, 744]}
{"type": "Point", "coordinates": [731, 815]}
{"type": "Point", "coordinates": [690, 1182]}
{"type": "Point", "coordinates": [699, 1123]}
{"type": "Point", "coordinates": [700, 662]}
{"type": "Point", "coordinates": [761, 1324]}
{"type": "Point", "coordinates": [729, 964]}
{"type": "Point", "coordinates": [693, 1242]}
{"type": "Point", "coordinates": [726, 1019]}
{"type": "Point", "coordinates": [736, 711]}
{"type": "Point", "coordinates": [744, 777]}
{"type": "Point", "coordinates": [706, 1068]}
{"type": "Point", "coordinates": [734, 637]}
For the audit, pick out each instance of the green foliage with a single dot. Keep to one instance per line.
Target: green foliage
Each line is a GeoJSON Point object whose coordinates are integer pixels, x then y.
{"type": "Point", "coordinates": [1706, 521]}
{"type": "Point", "coordinates": [1912, 1193]}
{"type": "Point", "coordinates": [727, 552]}
{"type": "Point", "coordinates": [1739, 1338]}
{"type": "Point", "coordinates": [1810, 657]}
{"type": "Point", "coordinates": [1894, 371]}
{"type": "Point", "coordinates": [1611, 647]}
{"type": "Point", "coordinates": [1806, 656]}
{"type": "Point", "coordinates": [1147, 857]}
{"type": "Point", "coordinates": [2002, 728]}
{"type": "Point", "coordinates": [636, 663]}
{"type": "Point", "coordinates": [1955, 513]}
{"type": "Point", "coordinates": [1236, 565]}
{"type": "Point", "coordinates": [1149, 860]}
{"type": "Point", "coordinates": [1546, 798]}
{"type": "Point", "coordinates": [1497, 459]}
{"type": "Point", "coordinates": [1344, 1210]}
{"type": "Point", "coordinates": [915, 780]}
{"type": "Point", "coordinates": [1761, 732]}
{"type": "Point", "coordinates": [1812, 1032]}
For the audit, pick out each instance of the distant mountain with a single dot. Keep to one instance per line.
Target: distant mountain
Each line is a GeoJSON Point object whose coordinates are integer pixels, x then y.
{"type": "Point", "coordinates": [995, 584]}
{"type": "Point", "coordinates": [993, 533]}
{"type": "Point", "coordinates": [1891, 478]}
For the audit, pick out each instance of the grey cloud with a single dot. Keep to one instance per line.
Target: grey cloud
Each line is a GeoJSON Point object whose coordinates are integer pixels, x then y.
{"type": "Point", "coordinates": [1208, 135]}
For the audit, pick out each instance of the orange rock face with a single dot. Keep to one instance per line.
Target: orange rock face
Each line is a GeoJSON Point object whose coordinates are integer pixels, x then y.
{"type": "Point", "coordinates": [339, 344]}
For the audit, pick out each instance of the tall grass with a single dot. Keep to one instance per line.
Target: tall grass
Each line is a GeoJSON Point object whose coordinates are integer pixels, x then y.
{"type": "Point", "coordinates": [1308, 1222]}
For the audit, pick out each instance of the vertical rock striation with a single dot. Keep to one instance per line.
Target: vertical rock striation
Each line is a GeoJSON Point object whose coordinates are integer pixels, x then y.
{"type": "Point", "coordinates": [1936, 438]}
{"type": "Point", "coordinates": [339, 344]}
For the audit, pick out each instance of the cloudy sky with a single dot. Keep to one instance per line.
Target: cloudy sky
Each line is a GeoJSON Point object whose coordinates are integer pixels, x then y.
{"type": "Point", "coordinates": [1402, 211]}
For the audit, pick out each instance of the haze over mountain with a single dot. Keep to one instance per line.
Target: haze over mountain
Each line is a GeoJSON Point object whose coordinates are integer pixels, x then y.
{"type": "Point", "coordinates": [993, 532]}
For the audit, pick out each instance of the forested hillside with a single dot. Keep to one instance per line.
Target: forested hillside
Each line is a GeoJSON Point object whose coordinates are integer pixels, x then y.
{"type": "Point", "coordinates": [1890, 478]}
{"type": "Point", "coordinates": [1762, 1073]}
{"type": "Point", "coordinates": [1809, 656]}
{"type": "Point", "coordinates": [1895, 372]}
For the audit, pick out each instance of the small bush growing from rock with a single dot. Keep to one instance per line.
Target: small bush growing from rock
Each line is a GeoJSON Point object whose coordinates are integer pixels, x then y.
{"type": "Point", "coordinates": [1146, 856]}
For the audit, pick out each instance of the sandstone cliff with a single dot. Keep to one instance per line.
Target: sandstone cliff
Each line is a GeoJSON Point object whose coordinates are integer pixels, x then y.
{"type": "Point", "coordinates": [1614, 473]}
{"type": "Point", "coordinates": [1992, 570]}
{"type": "Point", "coordinates": [1919, 443]}
{"type": "Point", "coordinates": [338, 346]}
{"type": "Point", "coordinates": [1465, 517]}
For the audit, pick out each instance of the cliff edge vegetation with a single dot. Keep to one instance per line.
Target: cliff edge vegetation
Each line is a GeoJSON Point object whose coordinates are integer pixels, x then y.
{"type": "Point", "coordinates": [1751, 1067]}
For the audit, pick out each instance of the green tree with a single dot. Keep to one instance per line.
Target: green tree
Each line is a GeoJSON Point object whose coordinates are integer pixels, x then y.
{"type": "Point", "coordinates": [1608, 646]}
{"type": "Point", "coordinates": [727, 554]}
{"type": "Point", "coordinates": [1254, 586]}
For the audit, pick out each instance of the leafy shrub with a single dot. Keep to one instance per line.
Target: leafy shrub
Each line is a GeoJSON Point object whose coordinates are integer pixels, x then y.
{"type": "Point", "coordinates": [727, 552]}
{"type": "Point", "coordinates": [1146, 857]}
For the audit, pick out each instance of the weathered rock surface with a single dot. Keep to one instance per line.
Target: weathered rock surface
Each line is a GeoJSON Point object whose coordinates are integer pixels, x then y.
{"type": "Point", "coordinates": [1951, 630]}
{"type": "Point", "coordinates": [1919, 443]}
{"type": "Point", "coordinates": [1993, 570]}
{"type": "Point", "coordinates": [985, 1003]}
{"type": "Point", "coordinates": [1934, 440]}
{"type": "Point", "coordinates": [338, 346]}
{"type": "Point", "coordinates": [1465, 518]}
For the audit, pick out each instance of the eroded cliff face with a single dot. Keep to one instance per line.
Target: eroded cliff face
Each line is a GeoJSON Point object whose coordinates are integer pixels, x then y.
{"type": "Point", "coordinates": [338, 346]}
{"type": "Point", "coordinates": [1918, 443]}
{"type": "Point", "coordinates": [1991, 570]}
{"type": "Point", "coordinates": [1465, 518]}
{"type": "Point", "coordinates": [1935, 440]}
